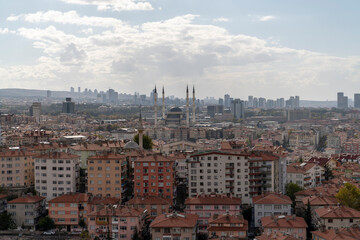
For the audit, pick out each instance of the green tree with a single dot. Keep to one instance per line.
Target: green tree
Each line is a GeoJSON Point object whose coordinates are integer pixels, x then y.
{"type": "Point", "coordinates": [247, 213]}
{"type": "Point", "coordinates": [6, 222]}
{"type": "Point", "coordinates": [291, 189]}
{"type": "Point", "coordinates": [82, 223]}
{"type": "Point", "coordinates": [147, 141]}
{"type": "Point", "coordinates": [85, 235]}
{"type": "Point", "coordinates": [136, 235]}
{"type": "Point", "coordinates": [46, 223]}
{"type": "Point", "coordinates": [349, 195]}
{"type": "Point", "coordinates": [328, 173]}
{"type": "Point", "coordinates": [308, 220]}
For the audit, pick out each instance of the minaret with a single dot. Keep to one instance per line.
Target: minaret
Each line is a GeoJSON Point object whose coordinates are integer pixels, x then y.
{"type": "Point", "coordinates": [163, 103]}
{"type": "Point", "coordinates": [193, 106]}
{"type": "Point", "coordinates": [140, 131]}
{"type": "Point", "coordinates": [187, 106]}
{"type": "Point", "coordinates": [155, 106]}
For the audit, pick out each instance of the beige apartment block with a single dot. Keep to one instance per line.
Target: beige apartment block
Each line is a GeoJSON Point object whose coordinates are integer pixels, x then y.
{"type": "Point", "coordinates": [17, 168]}
{"type": "Point", "coordinates": [105, 174]}
{"type": "Point", "coordinates": [56, 174]}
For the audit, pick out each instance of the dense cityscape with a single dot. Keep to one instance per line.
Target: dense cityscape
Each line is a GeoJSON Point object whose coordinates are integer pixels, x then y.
{"type": "Point", "coordinates": [179, 120]}
{"type": "Point", "coordinates": [104, 165]}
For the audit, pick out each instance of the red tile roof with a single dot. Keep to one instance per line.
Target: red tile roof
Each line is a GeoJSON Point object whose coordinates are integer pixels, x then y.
{"type": "Point", "coordinates": [153, 200]}
{"type": "Point", "coordinates": [352, 233]}
{"type": "Point", "coordinates": [109, 156]}
{"type": "Point", "coordinates": [27, 199]}
{"type": "Point", "coordinates": [272, 198]}
{"type": "Point", "coordinates": [58, 155]}
{"type": "Point", "coordinates": [337, 212]}
{"type": "Point", "coordinates": [320, 200]}
{"type": "Point", "coordinates": [276, 236]}
{"type": "Point", "coordinates": [96, 200]}
{"type": "Point", "coordinates": [221, 223]}
{"type": "Point", "coordinates": [71, 198]}
{"type": "Point", "coordinates": [120, 211]}
{"type": "Point", "coordinates": [296, 168]}
{"type": "Point", "coordinates": [212, 199]}
{"type": "Point", "coordinates": [175, 220]}
{"type": "Point", "coordinates": [283, 222]}
{"type": "Point", "coordinates": [154, 158]}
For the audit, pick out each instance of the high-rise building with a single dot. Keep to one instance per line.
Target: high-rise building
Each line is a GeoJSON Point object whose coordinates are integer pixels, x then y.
{"type": "Point", "coordinates": [68, 106]}
{"type": "Point", "coordinates": [357, 100]}
{"type": "Point", "coordinates": [262, 102]}
{"type": "Point", "coordinates": [227, 101]}
{"type": "Point", "coordinates": [221, 101]}
{"type": "Point", "coordinates": [72, 89]}
{"type": "Point", "coordinates": [35, 111]}
{"type": "Point", "coordinates": [237, 108]}
{"type": "Point", "coordinates": [297, 101]}
{"type": "Point", "coordinates": [56, 173]}
{"type": "Point", "coordinates": [79, 90]}
{"type": "Point", "coordinates": [342, 101]}
{"type": "Point", "coordinates": [113, 96]}
{"type": "Point", "coordinates": [48, 94]}
{"type": "Point", "coordinates": [250, 101]}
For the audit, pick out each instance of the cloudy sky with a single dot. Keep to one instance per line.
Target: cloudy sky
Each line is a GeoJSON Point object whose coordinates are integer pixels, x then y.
{"type": "Point", "coordinates": [263, 48]}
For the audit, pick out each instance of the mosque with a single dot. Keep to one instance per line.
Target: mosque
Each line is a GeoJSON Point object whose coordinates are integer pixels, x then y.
{"type": "Point", "coordinates": [175, 117]}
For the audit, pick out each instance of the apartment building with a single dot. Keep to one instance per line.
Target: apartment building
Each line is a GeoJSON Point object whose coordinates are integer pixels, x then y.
{"type": "Point", "coordinates": [106, 173]}
{"type": "Point", "coordinates": [154, 205]}
{"type": "Point", "coordinates": [348, 233]}
{"type": "Point", "coordinates": [154, 176]}
{"type": "Point", "coordinates": [219, 172]}
{"type": "Point", "coordinates": [306, 175]}
{"type": "Point", "coordinates": [289, 225]}
{"type": "Point", "coordinates": [270, 204]}
{"type": "Point", "coordinates": [228, 226]}
{"type": "Point", "coordinates": [336, 217]}
{"type": "Point", "coordinates": [267, 173]}
{"type": "Point", "coordinates": [56, 174]}
{"type": "Point", "coordinates": [174, 226]}
{"type": "Point", "coordinates": [17, 168]}
{"type": "Point", "coordinates": [27, 210]}
{"type": "Point", "coordinates": [68, 209]}
{"type": "Point", "coordinates": [119, 222]}
{"type": "Point", "coordinates": [208, 205]}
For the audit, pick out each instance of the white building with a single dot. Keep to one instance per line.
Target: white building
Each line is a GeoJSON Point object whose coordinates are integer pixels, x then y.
{"type": "Point", "coordinates": [270, 204]}
{"type": "Point", "coordinates": [219, 172]}
{"type": "Point", "coordinates": [306, 175]}
{"type": "Point", "coordinates": [56, 174]}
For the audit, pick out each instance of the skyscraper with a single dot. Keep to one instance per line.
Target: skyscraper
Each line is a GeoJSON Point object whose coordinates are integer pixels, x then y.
{"type": "Point", "coordinates": [68, 106]}
{"type": "Point", "coordinates": [227, 101]}
{"type": "Point", "coordinates": [237, 108]}
{"type": "Point", "coordinates": [35, 111]}
{"type": "Point", "coordinates": [342, 101]}
{"type": "Point", "coordinates": [357, 100]}
{"type": "Point", "coordinates": [250, 101]}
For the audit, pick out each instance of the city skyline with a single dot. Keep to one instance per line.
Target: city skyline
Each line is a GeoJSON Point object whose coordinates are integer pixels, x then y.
{"type": "Point", "coordinates": [241, 47]}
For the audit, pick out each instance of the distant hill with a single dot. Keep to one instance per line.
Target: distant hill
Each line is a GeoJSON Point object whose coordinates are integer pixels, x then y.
{"type": "Point", "coordinates": [18, 92]}
{"type": "Point", "coordinates": [316, 104]}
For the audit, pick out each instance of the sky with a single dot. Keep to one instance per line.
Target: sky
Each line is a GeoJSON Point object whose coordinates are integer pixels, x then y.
{"type": "Point", "coordinates": [263, 48]}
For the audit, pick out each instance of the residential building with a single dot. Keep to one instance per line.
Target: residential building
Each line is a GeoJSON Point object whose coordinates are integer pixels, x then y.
{"type": "Point", "coordinates": [179, 146]}
{"type": "Point", "coordinates": [357, 100]}
{"type": "Point", "coordinates": [17, 168]}
{"type": "Point", "coordinates": [342, 101]}
{"type": "Point", "coordinates": [306, 175]}
{"type": "Point", "coordinates": [154, 205]}
{"type": "Point", "coordinates": [154, 176]}
{"type": "Point", "coordinates": [118, 222]}
{"type": "Point", "coordinates": [228, 226]}
{"type": "Point", "coordinates": [351, 233]}
{"type": "Point", "coordinates": [270, 204]}
{"type": "Point", "coordinates": [56, 173]}
{"type": "Point", "coordinates": [290, 225]}
{"type": "Point", "coordinates": [219, 172]}
{"type": "Point", "coordinates": [35, 111]}
{"type": "Point", "coordinates": [267, 173]}
{"type": "Point", "coordinates": [106, 174]}
{"type": "Point", "coordinates": [336, 217]}
{"type": "Point", "coordinates": [174, 226]}
{"type": "Point", "coordinates": [208, 205]}
{"type": "Point", "coordinates": [68, 209]}
{"type": "Point", "coordinates": [27, 210]}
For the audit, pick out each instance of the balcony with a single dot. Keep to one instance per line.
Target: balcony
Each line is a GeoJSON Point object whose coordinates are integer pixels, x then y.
{"type": "Point", "coordinates": [98, 222]}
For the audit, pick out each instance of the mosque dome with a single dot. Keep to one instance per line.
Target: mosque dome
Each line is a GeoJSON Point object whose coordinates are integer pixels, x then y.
{"type": "Point", "coordinates": [131, 145]}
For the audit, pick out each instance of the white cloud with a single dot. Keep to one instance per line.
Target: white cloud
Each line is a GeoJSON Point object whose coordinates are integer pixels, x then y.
{"type": "Point", "coordinates": [5, 31]}
{"type": "Point", "coordinates": [221, 19]}
{"type": "Point", "coordinates": [266, 18]}
{"type": "Point", "coordinates": [114, 5]}
{"type": "Point", "coordinates": [173, 52]}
